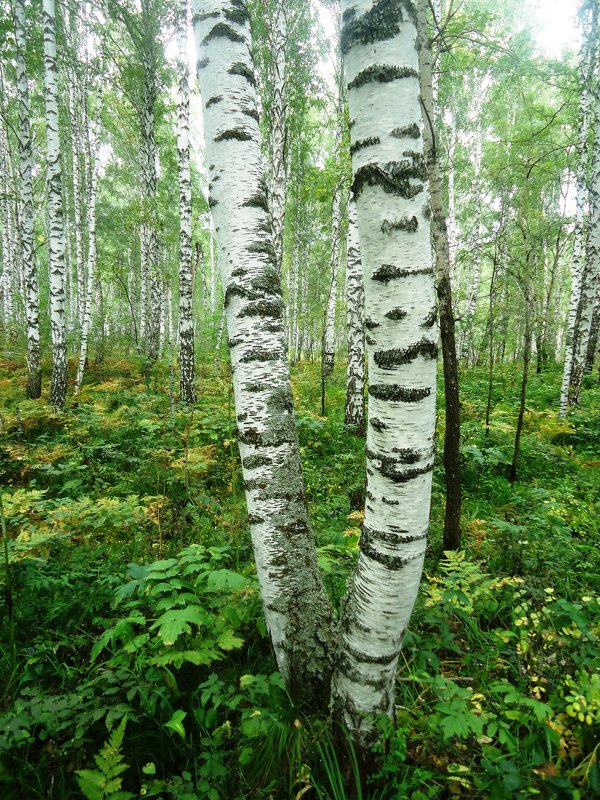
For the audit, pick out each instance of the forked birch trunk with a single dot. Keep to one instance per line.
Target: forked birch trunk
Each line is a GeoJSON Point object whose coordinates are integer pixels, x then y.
{"type": "Point", "coordinates": [354, 415]}
{"type": "Point", "coordinates": [27, 216]}
{"type": "Point", "coordinates": [56, 243]}
{"type": "Point", "coordinates": [441, 247]}
{"type": "Point", "coordinates": [389, 175]}
{"type": "Point", "coordinates": [296, 607]}
{"type": "Point", "coordinates": [186, 322]}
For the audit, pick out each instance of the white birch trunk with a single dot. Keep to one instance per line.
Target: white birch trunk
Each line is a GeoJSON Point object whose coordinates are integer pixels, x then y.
{"type": "Point", "coordinates": [27, 216]}
{"type": "Point", "coordinates": [92, 146]}
{"type": "Point", "coordinates": [467, 329]}
{"type": "Point", "coordinates": [591, 275]}
{"type": "Point", "coordinates": [56, 244]}
{"type": "Point", "coordinates": [579, 255]}
{"type": "Point", "coordinates": [8, 260]}
{"type": "Point", "coordinates": [297, 610]}
{"type": "Point", "coordinates": [355, 298]}
{"type": "Point", "coordinates": [186, 322]}
{"type": "Point", "coordinates": [77, 144]}
{"type": "Point", "coordinates": [381, 70]}
{"type": "Point", "coordinates": [329, 329]}
{"type": "Point", "coordinates": [278, 129]}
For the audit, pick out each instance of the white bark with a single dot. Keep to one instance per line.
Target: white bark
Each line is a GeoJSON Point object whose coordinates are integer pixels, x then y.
{"type": "Point", "coordinates": [297, 611]}
{"type": "Point", "coordinates": [56, 243]}
{"type": "Point", "coordinates": [27, 216]}
{"type": "Point", "coordinates": [329, 329]}
{"type": "Point", "coordinates": [571, 371]}
{"type": "Point", "coordinates": [381, 70]}
{"type": "Point", "coordinates": [591, 275]}
{"type": "Point", "coordinates": [186, 322]}
{"type": "Point", "coordinates": [8, 250]}
{"type": "Point", "coordinates": [278, 128]}
{"type": "Point", "coordinates": [355, 298]}
{"type": "Point", "coordinates": [92, 146]}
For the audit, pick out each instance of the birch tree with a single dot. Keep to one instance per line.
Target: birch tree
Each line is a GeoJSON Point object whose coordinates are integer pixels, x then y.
{"type": "Point", "coordinates": [27, 215]}
{"type": "Point", "coordinates": [381, 72]}
{"type": "Point", "coordinates": [186, 322]}
{"type": "Point", "coordinates": [354, 415]}
{"type": "Point", "coordinates": [578, 257]}
{"type": "Point", "coordinates": [441, 247]}
{"type": "Point", "coordinates": [296, 607]}
{"type": "Point", "coordinates": [92, 158]}
{"type": "Point", "coordinates": [56, 244]}
{"type": "Point", "coordinates": [278, 189]}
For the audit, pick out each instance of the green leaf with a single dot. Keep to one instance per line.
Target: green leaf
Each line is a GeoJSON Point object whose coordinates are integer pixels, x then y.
{"type": "Point", "coordinates": [225, 580]}
{"type": "Point", "coordinates": [176, 722]}
{"type": "Point", "coordinates": [177, 621]}
{"type": "Point", "coordinates": [229, 641]}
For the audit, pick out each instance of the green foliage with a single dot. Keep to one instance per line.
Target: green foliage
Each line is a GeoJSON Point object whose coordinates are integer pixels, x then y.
{"type": "Point", "coordinates": [136, 599]}
{"type": "Point", "coordinates": [104, 783]}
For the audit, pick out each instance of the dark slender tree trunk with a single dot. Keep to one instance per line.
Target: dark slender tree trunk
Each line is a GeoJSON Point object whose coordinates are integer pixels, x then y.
{"type": "Point", "coordinates": [512, 473]}
{"type": "Point", "coordinates": [439, 236]}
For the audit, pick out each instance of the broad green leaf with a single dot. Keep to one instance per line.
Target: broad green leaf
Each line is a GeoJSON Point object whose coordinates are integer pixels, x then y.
{"type": "Point", "coordinates": [176, 722]}
{"type": "Point", "coordinates": [225, 580]}
{"type": "Point", "coordinates": [177, 621]}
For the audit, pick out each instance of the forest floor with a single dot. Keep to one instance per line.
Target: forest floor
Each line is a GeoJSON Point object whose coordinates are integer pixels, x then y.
{"type": "Point", "coordinates": [135, 661]}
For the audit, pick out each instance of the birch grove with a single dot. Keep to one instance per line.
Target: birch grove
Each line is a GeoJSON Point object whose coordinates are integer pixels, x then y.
{"type": "Point", "coordinates": [27, 220]}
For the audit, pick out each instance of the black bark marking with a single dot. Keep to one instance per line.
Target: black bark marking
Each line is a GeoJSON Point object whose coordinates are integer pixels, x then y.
{"type": "Point", "coordinates": [255, 519]}
{"type": "Point", "coordinates": [408, 224]}
{"type": "Point", "coordinates": [377, 424]}
{"type": "Point", "coordinates": [238, 15]}
{"type": "Point", "coordinates": [389, 359]}
{"type": "Point", "coordinates": [251, 112]}
{"type": "Point", "coordinates": [370, 324]}
{"type": "Point", "coordinates": [259, 355]}
{"type": "Point", "coordinates": [393, 563]}
{"type": "Point", "coordinates": [396, 313]}
{"type": "Point", "coordinates": [382, 73]}
{"type": "Point", "coordinates": [405, 455]}
{"type": "Point", "coordinates": [407, 132]}
{"type": "Point", "coordinates": [201, 63]}
{"type": "Point", "coordinates": [214, 100]}
{"type": "Point", "coordinates": [394, 177]}
{"type": "Point", "coordinates": [239, 68]}
{"type": "Point", "coordinates": [225, 31]}
{"type": "Point", "coordinates": [388, 272]}
{"type": "Point", "coordinates": [263, 247]}
{"type": "Point", "coordinates": [233, 133]}
{"type": "Point", "coordinates": [430, 319]}
{"type": "Point", "coordinates": [398, 394]}
{"type": "Point", "coordinates": [258, 200]}
{"type": "Point", "coordinates": [254, 462]}
{"type": "Point", "coordinates": [382, 21]}
{"type": "Point", "coordinates": [390, 538]}
{"type": "Point", "coordinates": [362, 143]}
{"type": "Point", "coordinates": [263, 308]}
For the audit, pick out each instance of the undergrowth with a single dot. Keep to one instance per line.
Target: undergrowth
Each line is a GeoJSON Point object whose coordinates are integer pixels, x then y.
{"type": "Point", "coordinates": [134, 657]}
